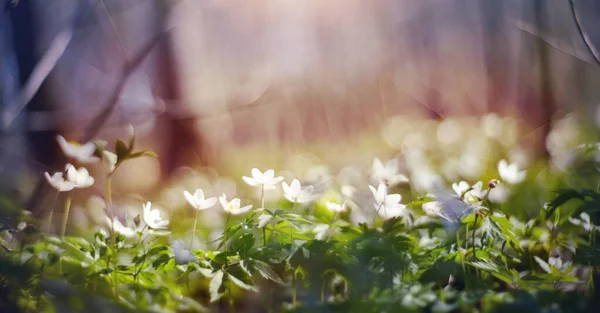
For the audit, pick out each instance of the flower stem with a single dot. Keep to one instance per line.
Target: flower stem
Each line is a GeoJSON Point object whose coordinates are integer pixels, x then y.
{"type": "Point", "coordinates": [262, 205]}
{"type": "Point", "coordinates": [49, 225]}
{"type": "Point", "coordinates": [377, 213]}
{"type": "Point", "coordinates": [65, 217]}
{"type": "Point", "coordinates": [231, 306]}
{"type": "Point", "coordinates": [294, 288]}
{"type": "Point", "coordinates": [194, 230]}
{"type": "Point", "coordinates": [331, 228]}
{"type": "Point", "coordinates": [109, 204]}
{"type": "Point", "coordinates": [292, 227]}
{"type": "Point", "coordinates": [323, 290]}
{"type": "Point", "coordinates": [225, 232]}
{"type": "Point", "coordinates": [473, 236]}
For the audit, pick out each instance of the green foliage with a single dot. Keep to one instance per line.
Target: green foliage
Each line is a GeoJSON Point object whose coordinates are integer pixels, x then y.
{"type": "Point", "coordinates": [488, 261]}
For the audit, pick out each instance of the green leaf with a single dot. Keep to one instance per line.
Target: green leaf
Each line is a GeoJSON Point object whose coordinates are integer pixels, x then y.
{"type": "Point", "coordinates": [563, 196]}
{"type": "Point", "coordinates": [215, 286]}
{"type": "Point", "coordinates": [545, 266]}
{"type": "Point", "coordinates": [506, 228]}
{"type": "Point", "coordinates": [243, 242]}
{"type": "Point", "coordinates": [588, 255]}
{"type": "Point", "coordinates": [241, 284]}
{"type": "Point", "coordinates": [121, 150]}
{"type": "Point", "coordinates": [141, 154]}
{"type": "Point", "coordinates": [297, 221]}
{"type": "Point", "coordinates": [266, 271]}
{"type": "Point", "coordinates": [156, 249]}
{"type": "Point", "coordinates": [264, 220]}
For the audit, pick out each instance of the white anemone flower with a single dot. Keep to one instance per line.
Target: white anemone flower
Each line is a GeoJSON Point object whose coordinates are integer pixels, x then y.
{"type": "Point", "coordinates": [336, 207]}
{"type": "Point", "coordinates": [499, 194]}
{"type": "Point", "coordinates": [198, 201]}
{"type": "Point", "coordinates": [470, 194]}
{"type": "Point", "coordinates": [295, 193]}
{"type": "Point", "coordinates": [80, 177]}
{"type": "Point", "coordinates": [387, 205]}
{"type": "Point", "coordinates": [387, 174]}
{"type": "Point", "coordinates": [119, 228]}
{"type": "Point", "coordinates": [266, 180]}
{"type": "Point", "coordinates": [152, 217]}
{"type": "Point", "coordinates": [83, 153]}
{"type": "Point", "coordinates": [510, 172]}
{"type": "Point", "coordinates": [584, 221]}
{"type": "Point", "coordinates": [233, 206]}
{"type": "Point", "coordinates": [182, 255]}
{"type": "Point", "coordinates": [321, 231]}
{"type": "Point", "coordinates": [461, 187]}
{"type": "Point", "coordinates": [58, 182]}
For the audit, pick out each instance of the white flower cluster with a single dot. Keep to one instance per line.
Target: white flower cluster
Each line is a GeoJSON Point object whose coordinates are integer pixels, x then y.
{"type": "Point", "coordinates": [72, 177]}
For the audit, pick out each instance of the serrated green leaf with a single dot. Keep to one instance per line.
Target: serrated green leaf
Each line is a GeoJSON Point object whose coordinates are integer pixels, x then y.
{"type": "Point", "coordinates": [238, 282]}
{"type": "Point", "coordinates": [543, 264]}
{"type": "Point", "coordinates": [156, 249]}
{"type": "Point", "coordinates": [266, 271]}
{"type": "Point", "coordinates": [215, 286]}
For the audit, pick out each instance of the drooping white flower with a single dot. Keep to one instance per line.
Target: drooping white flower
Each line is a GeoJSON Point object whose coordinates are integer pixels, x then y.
{"type": "Point", "coordinates": [82, 153]}
{"type": "Point", "coordinates": [152, 217]}
{"type": "Point", "coordinates": [181, 254]}
{"type": "Point", "coordinates": [233, 206]}
{"type": "Point", "coordinates": [119, 228]}
{"type": "Point", "coordinates": [387, 174]}
{"type": "Point", "coordinates": [335, 207]}
{"type": "Point", "coordinates": [585, 222]}
{"type": "Point", "coordinates": [510, 172]}
{"type": "Point", "coordinates": [58, 182]}
{"type": "Point", "coordinates": [387, 205]}
{"type": "Point", "coordinates": [295, 193]}
{"type": "Point", "coordinates": [198, 201]}
{"type": "Point", "coordinates": [266, 180]}
{"type": "Point", "coordinates": [80, 177]}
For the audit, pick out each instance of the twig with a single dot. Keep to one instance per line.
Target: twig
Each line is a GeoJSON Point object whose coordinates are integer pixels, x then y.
{"type": "Point", "coordinates": [584, 36]}
{"type": "Point", "coordinates": [114, 29]}
{"type": "Point", "coordinates": [552, 43]}
{"type": "Point", "coordinates": [39, 74]}
{"type": "Point", "coordinates": [112, 101]}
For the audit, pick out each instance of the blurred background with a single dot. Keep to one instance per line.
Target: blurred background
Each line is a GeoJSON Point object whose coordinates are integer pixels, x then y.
{"type": "Point", "coordinates": [217, 87]}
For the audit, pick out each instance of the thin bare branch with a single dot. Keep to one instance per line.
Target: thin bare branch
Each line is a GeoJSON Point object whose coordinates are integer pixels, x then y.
{"type": "Point", "coordinates": [38, 76]}
{"type": "Point", "coordinates": [586, 40]}
{"type": "Point", "coordinates": [111, 103]}
{"type": "Point", "coordinates": [562, 47]}
{"type": "Point", "coordinates": [114, 29]}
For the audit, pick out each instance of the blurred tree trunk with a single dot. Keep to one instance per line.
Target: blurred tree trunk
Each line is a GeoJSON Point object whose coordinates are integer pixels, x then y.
{"type": "Point", "coordinates": [183, 141]}
{"type": "Point", "coordinates": [547, 101]}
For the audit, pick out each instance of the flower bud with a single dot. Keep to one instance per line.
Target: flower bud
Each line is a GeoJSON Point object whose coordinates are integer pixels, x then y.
{"type": "Point", "coordinates": [493, 183]}
{"type": "Point", "coordinates": [137, 220]}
